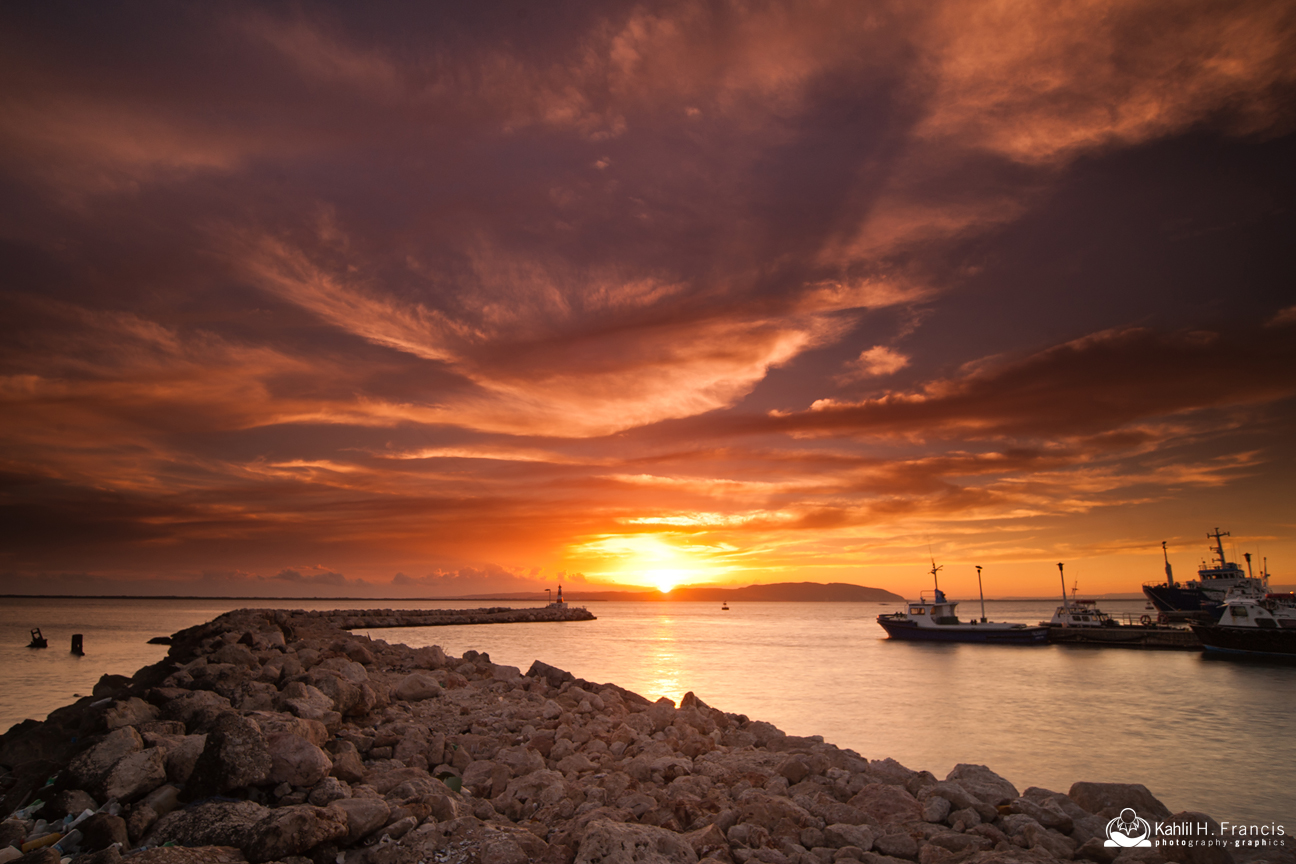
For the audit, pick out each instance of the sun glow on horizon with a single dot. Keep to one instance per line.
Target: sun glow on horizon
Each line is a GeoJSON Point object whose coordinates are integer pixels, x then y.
{"type": "Point", "coordinates": [665, 579]}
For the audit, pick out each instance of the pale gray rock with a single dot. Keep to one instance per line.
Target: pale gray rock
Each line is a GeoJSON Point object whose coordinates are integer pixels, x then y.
{"type": "Point", "coordinates": [607, 842]}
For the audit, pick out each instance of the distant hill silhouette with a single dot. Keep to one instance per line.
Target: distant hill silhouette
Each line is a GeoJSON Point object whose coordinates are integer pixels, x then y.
{"type": "Point", "coordinates": [784, 592]}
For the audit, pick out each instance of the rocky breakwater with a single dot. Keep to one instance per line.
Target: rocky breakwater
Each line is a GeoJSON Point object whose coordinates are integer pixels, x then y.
{"type": "Point", "coordinates": [372, 619]}
{"type": "Point", "coordinates": [269, 736]}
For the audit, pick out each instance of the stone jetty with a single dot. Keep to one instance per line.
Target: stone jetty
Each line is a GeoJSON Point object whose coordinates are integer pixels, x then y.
{"type": "Point", "coordinates": [277, 736]}
{"type": "Point", "coordinates": [373, 619]}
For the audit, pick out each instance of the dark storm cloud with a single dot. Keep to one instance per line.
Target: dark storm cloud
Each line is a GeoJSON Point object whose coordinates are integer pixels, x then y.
{"type": "Point", "coordinates": [416, 287]}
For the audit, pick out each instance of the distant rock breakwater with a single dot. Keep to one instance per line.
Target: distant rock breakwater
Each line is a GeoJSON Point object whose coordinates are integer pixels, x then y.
{"type": "Point", "coordinates": [374, 619]}
{"type": "Point", "coordinates": [268, 735]}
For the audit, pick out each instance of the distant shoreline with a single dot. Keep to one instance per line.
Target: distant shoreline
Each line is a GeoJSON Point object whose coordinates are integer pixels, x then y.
{"type": "Point", "coordinates": [575, 598]}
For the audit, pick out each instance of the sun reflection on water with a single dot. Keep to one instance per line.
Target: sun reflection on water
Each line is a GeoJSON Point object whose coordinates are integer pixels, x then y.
{"type": "Point", "coordinates": [664, 660]}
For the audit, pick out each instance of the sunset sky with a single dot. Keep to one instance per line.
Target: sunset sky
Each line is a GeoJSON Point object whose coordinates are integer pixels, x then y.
{"type": "Point", "coordinates": [433, 299]}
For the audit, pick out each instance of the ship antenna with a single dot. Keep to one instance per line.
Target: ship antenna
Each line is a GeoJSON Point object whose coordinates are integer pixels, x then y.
{"type": "Point", "coordinates": [982, 590]}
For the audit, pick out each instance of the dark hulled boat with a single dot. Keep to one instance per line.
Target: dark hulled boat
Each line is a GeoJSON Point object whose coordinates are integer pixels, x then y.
{"type": "Point", "coordinates": [1206, 593]}
{"type": "Point", "coordinates": [1251, 626]}
{"type": "Point", "coordinates": [936, 620]}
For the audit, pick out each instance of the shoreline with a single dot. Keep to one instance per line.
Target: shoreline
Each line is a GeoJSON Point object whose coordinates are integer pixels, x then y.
{"type": "Point", "coordinates": [270, 734]}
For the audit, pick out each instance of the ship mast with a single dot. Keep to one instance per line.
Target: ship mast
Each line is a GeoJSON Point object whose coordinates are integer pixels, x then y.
{"type": "Point", "coordinates": [1065, 605]}
{"type": "Point", "coordinates": [1169, 573]}
{"type": "Point", "coordinates": [1219, 544]}
{"type": "Point", "coordinates": [982, 590]}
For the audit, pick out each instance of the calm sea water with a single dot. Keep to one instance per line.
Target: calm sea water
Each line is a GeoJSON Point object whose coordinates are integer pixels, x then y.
{"type": "Point", "coordinates": [1217, 736]}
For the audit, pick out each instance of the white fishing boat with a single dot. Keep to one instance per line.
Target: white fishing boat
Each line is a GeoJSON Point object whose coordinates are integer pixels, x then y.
{"type": "Point", "coordinates": [936, 620]}
{"type": "Point", "coordinates": [1081, 622]}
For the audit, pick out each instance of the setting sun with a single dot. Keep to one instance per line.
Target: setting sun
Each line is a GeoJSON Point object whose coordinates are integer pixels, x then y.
{"type": "Point", "coordinates": [664, 580]}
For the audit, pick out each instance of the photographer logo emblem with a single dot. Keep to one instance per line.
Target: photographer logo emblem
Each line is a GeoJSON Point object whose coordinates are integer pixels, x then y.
{"type": "Point", "coordinates": [1128, 830]}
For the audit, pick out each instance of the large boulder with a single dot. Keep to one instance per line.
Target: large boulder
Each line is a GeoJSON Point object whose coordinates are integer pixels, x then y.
{"type": "Point", "coordinates": [236, 755]}
{"type": "Point", "coordinates": [607, 842]}
{"type": "Point", "coordinates": [983, 783]}
{"type": "Point", "coordinates": [89, 768]}
{"type": "Point", "coordinates": [182, 754]}
{"type": "Point", "coordinates": [197, 709]}
{"type": "Point", "coordinates": [223, 823]}
{"type": "Point", "coordinates": [887, 803]}
{"type": "Point", "coordinates": [131, 712]}
{"type": "Point", "coordinates": [296, 761]}
{"type": "Point", "coordinates": [293, 830]}
{"type": "Point", "coordinates": [416, 687]}
{"type": "Point", "coordinates": [1108, 799]}
{"type": "Point", "coordinates": [363, 815]}
{"type": "Point", "coordinates": [525, 795]}
{"type": "Point", "coordinates": [305, 701]}
{"type": "Point", "coordinates": [839, 835]}
{"type": "Point", "coordinates": [185, 855]}
{"type": "Point", "coordinates": [101, 831]}
{"type": "Point", "coordinates": [135, 775]}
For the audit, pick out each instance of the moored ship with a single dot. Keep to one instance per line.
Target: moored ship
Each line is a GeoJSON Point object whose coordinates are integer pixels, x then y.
{"type": "Point", "coordinates": [1081, 622]}
{"type": "Point", "coordinates": [1214, 581]}
{"type": "Point", "coordinates": [1248, 625]}
{"type": "Point", "coordinates": [936, 620]}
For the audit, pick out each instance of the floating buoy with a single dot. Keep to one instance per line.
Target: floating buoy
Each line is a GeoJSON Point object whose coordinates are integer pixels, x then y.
{"type": "Point", "coordinates": [76, 645]}
{"type": "Point", "coordinates": [38, 641]}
